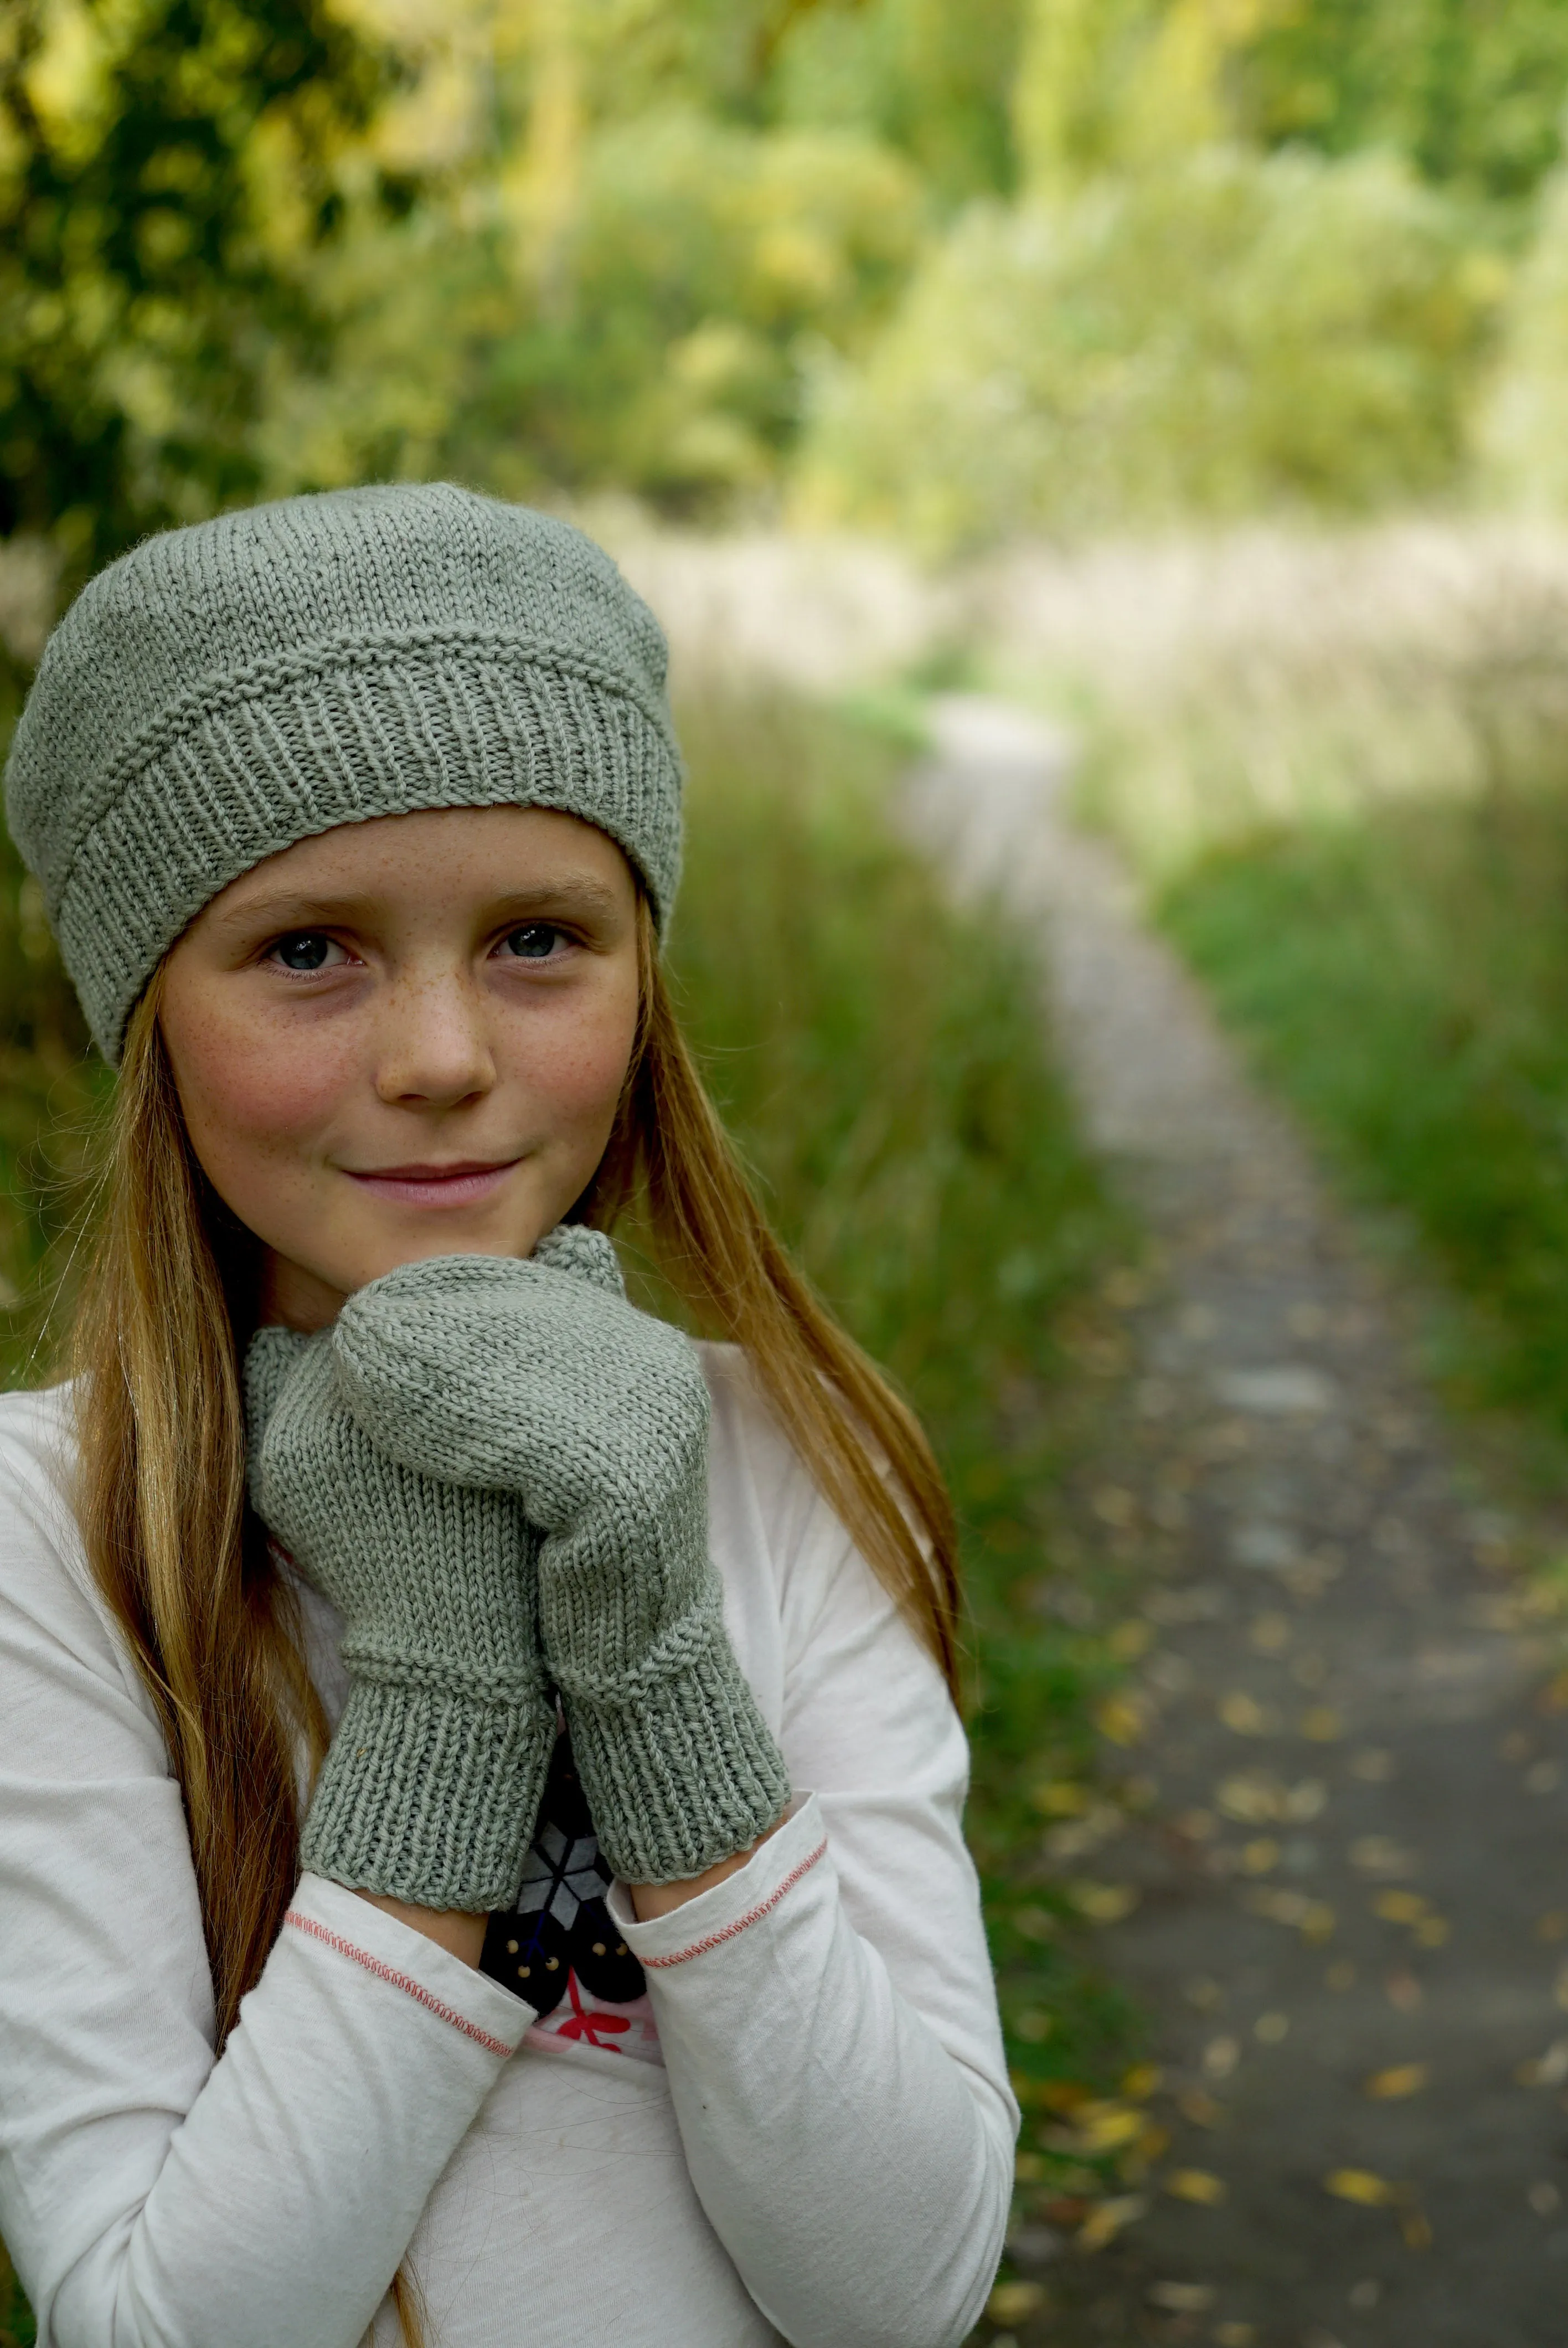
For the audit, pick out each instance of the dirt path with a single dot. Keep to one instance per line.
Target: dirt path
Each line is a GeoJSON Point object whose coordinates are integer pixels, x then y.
{"type": "Point", "coordinates": [1352, 1929]}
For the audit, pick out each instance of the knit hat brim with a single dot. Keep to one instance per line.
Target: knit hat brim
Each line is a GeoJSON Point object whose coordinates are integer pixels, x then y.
{"type": "Point", "coordinates": [255, 763]}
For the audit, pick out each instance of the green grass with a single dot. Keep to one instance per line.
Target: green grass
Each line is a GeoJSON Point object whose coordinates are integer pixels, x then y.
{"type": "Point", "coordinates": [880, 1058]}
{"type": "Point", "coordinates": [1403, 979]}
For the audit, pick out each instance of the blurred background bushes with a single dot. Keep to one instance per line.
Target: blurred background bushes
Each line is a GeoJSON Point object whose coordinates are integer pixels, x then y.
{"type": "Point", "coordinates": [1049, 265]}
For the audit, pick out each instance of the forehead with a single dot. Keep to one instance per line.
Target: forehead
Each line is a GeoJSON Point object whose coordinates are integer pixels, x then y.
{"type": "Point", "coordinates": [437, 851]}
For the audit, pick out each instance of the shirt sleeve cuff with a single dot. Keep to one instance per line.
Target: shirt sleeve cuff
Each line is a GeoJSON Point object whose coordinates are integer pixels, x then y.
{"type": "Point", "coordinates": [406, 1965]}
{"type": "Point", "coordinates": [791, 1852]}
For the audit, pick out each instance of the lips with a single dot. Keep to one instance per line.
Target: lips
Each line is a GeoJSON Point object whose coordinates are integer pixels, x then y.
{"type": "Point", "coordinates": [463, 1183]}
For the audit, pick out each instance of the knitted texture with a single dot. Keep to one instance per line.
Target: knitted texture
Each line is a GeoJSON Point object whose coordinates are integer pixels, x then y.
{"type": "Point", "coordinates": [223, 691]}
{"type": "Point", "coordinates": [540, 1378]}
{"type": "Point", "coordinates": [433, 1780]}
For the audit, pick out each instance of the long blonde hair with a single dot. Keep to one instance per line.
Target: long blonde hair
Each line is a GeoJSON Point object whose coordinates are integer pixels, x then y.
{"type": "Point", "coordinates": [166, 1307]}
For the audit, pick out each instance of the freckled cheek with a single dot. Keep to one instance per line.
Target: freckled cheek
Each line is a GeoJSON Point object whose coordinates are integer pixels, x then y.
{"type": "Point", "coordinates": [261, 1099]}
{"type": "Point", "coordinates": [574, 1071]}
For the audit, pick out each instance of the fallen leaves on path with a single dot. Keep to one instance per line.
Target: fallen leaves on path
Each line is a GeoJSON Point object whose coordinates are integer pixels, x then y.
{"type": "Point", "coordinates": [1313, 1919]}
{"type": "Point", "coordinates": [1322, 1724]}
{"type": "Point", "coordinates": [1014, 2302]}
{"type": "Point", "coordinates": [1123, 1718]}
{"type": "Point", "coordinates": [1182, 2298]}
{"type": "Point", "coordinates": [1197, 2185]}
{"type": "Point", "coordinates": [1102, 1903]}
{"type": "Point", "coordinates": [1378, 1854]}
{"type": "Point", "coordinates": [1362, 2186]}
{"type": "Point", "coordinates": [1107, 2220]}
{"type": "Point", "coordinates": [1370, 2191]}
{"type": "Point", "coordinates": [1548, 2070]}
{"type": "Point", "coordinates": [1255, 1797]}
{"type": "Point", "coordinates": [1400, 2079]}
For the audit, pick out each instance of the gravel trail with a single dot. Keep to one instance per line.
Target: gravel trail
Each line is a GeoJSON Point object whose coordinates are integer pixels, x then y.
{"type": "Point", "coordinates": [1347, 1834]}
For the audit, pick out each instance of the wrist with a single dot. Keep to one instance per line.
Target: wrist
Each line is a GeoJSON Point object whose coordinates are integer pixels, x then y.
{"type": "Point", "coordinates": [651, 1899]}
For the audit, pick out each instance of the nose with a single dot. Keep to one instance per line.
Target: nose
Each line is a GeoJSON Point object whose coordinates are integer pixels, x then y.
{"type": "Point", "coordinates": [435, 1050]}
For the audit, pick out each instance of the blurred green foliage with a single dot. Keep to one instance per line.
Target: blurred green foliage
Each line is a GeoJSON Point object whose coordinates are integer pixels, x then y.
{"type": "Point", "coordinates": [1471, 90]}
{"type": "Point", "coordinates": [1232, 333]}
{"type": "Point", "coordinates": [1150, 255]}
{"type": "Point", "coordinates": [163, 166]}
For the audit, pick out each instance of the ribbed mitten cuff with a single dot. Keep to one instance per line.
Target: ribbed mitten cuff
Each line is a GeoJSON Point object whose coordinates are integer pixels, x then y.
{"type": "Point", "coordinates": [681, 1771]}
{"type": "Point", "coordinates": [429, 1797]}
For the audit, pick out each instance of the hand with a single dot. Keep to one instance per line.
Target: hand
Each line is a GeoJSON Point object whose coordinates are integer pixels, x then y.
{"type": "Point", "coordinates": [430, 1788]}
{"type": "Point", "coordinates": [540, 1378]}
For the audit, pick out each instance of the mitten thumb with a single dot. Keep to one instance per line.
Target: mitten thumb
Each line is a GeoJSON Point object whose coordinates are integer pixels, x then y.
{"type": "Point", "coordinates": [590, 1255]}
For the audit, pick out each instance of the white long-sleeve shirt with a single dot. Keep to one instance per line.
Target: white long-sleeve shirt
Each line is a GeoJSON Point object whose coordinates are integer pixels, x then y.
{"type": "Point", "coordinates": [811, 2139]}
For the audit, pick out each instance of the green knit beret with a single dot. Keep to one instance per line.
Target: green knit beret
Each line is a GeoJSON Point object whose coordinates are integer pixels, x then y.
{"type": "Point", "coordinates": [223, 691]}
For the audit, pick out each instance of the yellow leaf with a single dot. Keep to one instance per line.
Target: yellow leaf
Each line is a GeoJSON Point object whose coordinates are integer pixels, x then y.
{"type": "Point", "coordinates": [1242, 1713]}
{"type": "Point", "coordinates": [1182, 2298]}
{"type": "Point", "coordinates": [1013, 2303]}
{"type": "Point", "coordinates": [1399, 1907]}
{"type": "Point", "coordinates": [1236, 2335]}
{"type": "Point", "coordinates": [1060, 1798]}
{"type": "Point", "coordinates": [1122, 1718]}
{"type": "Point", "coordinates": [1279, 1907]}
{"type": "Point", "coordinates": [1141, 2082]}
{"type": "Point", "coordinates": [1108, 2127]}
{"type": "Point", "coordinates": [1260, 1855]}
{"type": "Point", "coordinates": [1200, 2185]}
{"type": "Point", "coordinates": [1400, 2079]}
{"type": "Point", "coordinates": [1322, 1724]}
{"type": "Point", "coordinates": [1104, 1904]}
{"type": "Point", "coordinates": [1107, 2218]}
{"type": "Point", "coordinates": [1252, 1797]}
{"type": "Point", "coordinates": [1417, 2232]}
{"type": "Point", "coordinates": [1317, 1924]}
{"type": "Point", "coordinates": [1360, 2185]}
{"type": "Point", "coordinates": [1381, 1855]}
{"type": "Point", "coordinates": [1431, 1932]}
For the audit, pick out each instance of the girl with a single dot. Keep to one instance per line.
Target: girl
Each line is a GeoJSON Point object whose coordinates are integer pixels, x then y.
{"type": "Point", "coordinates": [480, 1841]}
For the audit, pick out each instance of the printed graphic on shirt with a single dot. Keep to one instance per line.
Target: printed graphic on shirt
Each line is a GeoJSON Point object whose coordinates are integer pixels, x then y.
{"type": "Point", "coordinates": [558, 1948]}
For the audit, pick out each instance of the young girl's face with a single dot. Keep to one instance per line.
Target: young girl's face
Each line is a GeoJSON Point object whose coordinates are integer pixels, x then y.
{"type": "Point", "coordinates": [405, 1037]}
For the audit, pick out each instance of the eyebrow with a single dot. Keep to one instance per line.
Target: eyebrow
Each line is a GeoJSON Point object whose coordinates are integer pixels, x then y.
{"type": "Point", "coordinates": [292, 909]}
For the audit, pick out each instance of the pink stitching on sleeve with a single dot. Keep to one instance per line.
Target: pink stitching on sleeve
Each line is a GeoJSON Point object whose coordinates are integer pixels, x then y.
{"type": "Point", "coordinates": [404, 1982]}
{"type": "Point", "coordinates": [751, 1916]}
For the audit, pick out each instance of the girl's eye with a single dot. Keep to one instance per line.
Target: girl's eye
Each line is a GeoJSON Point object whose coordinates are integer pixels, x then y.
{"type": "Point", "coordinates": [304, 950]}
{"type": "Point", "coordinates": [535, 941]}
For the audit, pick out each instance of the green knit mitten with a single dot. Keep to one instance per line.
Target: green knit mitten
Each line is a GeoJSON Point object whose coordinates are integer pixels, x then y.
{"type": "Point", "coordinates": [539, 1376]}
{"type": "Point", "coordinates": [431, 1785]}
